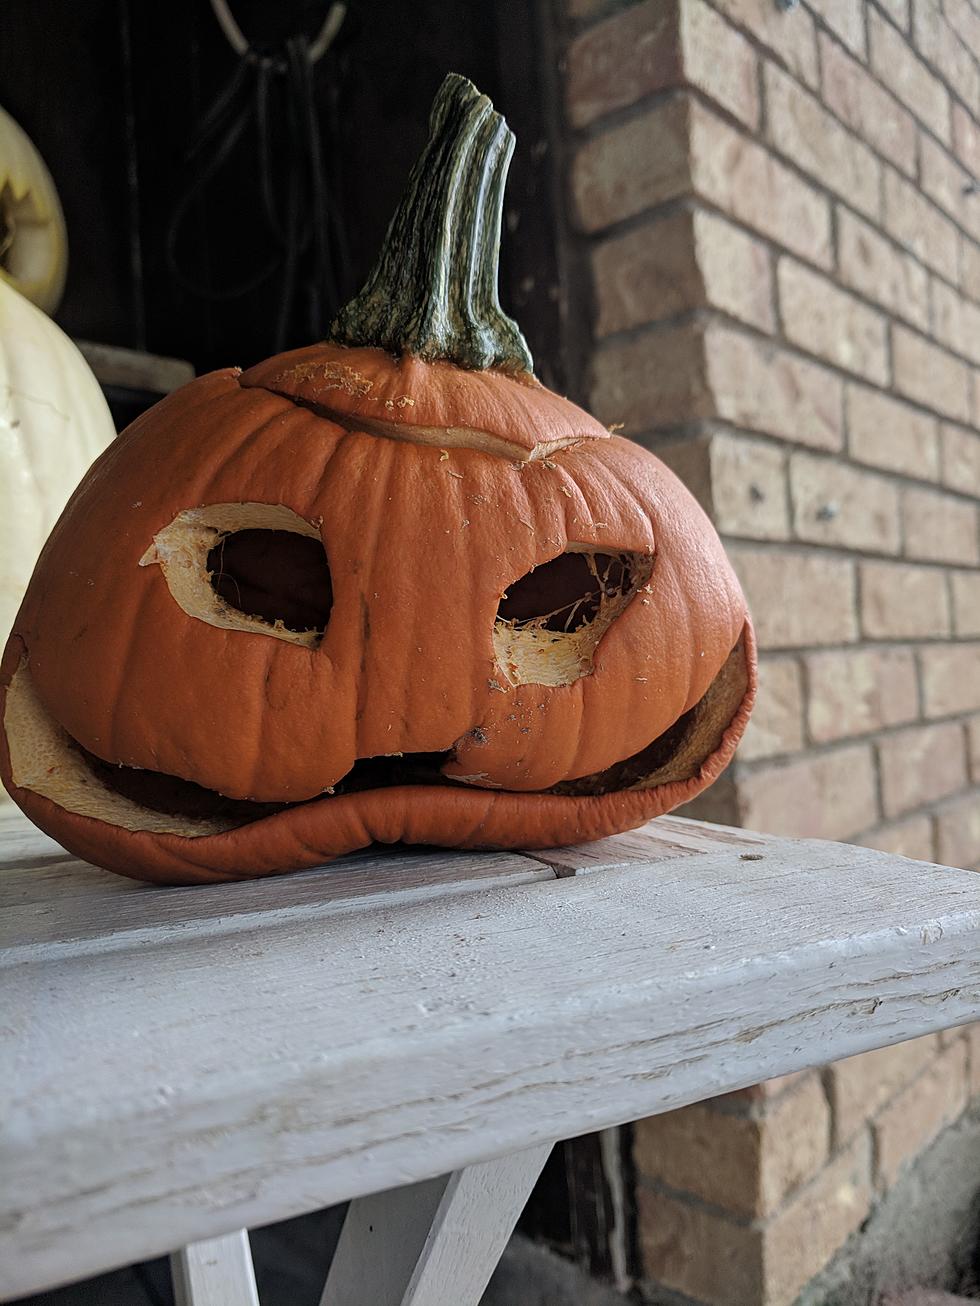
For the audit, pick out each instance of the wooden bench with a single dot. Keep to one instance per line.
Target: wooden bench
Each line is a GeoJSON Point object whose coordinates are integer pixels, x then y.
{"type": "Point", "coordinates": [414, 1029]}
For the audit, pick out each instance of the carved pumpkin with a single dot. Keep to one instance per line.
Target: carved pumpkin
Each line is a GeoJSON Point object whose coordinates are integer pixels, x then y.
{"type": "Point", "coordinates": [384, 588]}
{"type": "Point", "coordinates": [33, 243]}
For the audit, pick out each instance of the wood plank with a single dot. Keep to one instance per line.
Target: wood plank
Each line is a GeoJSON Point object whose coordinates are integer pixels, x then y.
{"type": "Point", "coordinates": [54, 905]}
{"type": "Point", "coordinates": [134, 369]}
{"type": "Point", "coordinates": [215, 1272]}
{"type": "Point", "coordinates": [435, 1243]}
{"type": "Point", "coordinates": [196, 1078]}
{"type": "Point", "coordinates": [665, 838]}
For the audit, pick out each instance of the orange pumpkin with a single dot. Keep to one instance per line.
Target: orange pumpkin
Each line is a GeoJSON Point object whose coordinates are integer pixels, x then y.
{"type": "Point", "coordinates": [385, 588]}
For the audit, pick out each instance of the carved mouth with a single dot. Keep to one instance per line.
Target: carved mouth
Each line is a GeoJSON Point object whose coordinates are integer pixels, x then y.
{"type": "Point", "coordinates": [46, 760]}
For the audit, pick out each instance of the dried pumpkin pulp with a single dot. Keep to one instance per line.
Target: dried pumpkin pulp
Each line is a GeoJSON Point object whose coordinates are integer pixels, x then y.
{"type": "Point", "coordinates": [388, 587]}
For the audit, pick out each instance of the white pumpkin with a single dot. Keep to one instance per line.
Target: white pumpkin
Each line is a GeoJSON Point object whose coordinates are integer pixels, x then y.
{"type": "Point", "coordinates": [33, 243]}
{"type": "Point", "coordinates": [54, 420]}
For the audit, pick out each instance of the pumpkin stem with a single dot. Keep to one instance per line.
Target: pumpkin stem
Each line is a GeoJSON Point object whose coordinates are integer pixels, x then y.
{"type": "Point", "coordinates": [433, 289]}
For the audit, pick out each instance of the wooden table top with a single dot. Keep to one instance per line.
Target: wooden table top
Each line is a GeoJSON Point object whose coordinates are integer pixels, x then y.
{"type": "Point", "coordinates": [180, 1063]}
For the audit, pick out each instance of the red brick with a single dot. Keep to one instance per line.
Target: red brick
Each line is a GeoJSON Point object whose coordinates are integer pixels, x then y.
{"type": "Point", "coordinates": [681, 261]}
{"type": "Point", "coordinates": [970, 267]}
{"type": "Point", "coordinates": [646, 274]}
{"type": "Point", "coordinates": [797, 599]}
{"type": "Point", "coordinates": [860, 1086]}
{"type": "Point", "coordinates": [652, 46]}
{"type": "Point", "coordinates": [903, 602]}
{"type": "Point", "coordinates": [860, 102]}
{"type": "Point", "coordinates": [907, 77]}
{"type": "Point", "coordinates": [911, 837]}
{"type": "Point", "coordinates": [948, 184]}
{"type": "Point", "coordinates": [794, 43]}
{"type": "Point", "coordinates": [966, 139]}
{"type": "Point", "coordinates": [834, 503]}
{"type": "Point", "coordinates": [960, 458]}
{"type": "Point", "coordinates": [909, 1124]}
{"type": "Point", "coordinates": [955, 321]}
{"type": "Point", "coordinates": [941, 47]}
{"type": "Point", "coordinates": [965, 591]}
{"type": "Point", "coordinates": [973, 747]}
{"type": "Point", "coordinates": [760, 386]}
{"type": "Point", "coordinates": [653, 380]}
{"type": "Point", "coordinates": [829, 322]}
{"type": "Point", "coordinates": [619, 61]}
{"type": "Point", "coordinates": [719, 61]}
{"type": "Point", "coordinates": [939, 527]}
{"type": "Point", "coordinates": [801, 129]}
{"type": "Point", "coordinates": [776, 724]}
{"type": "Point", "coordinates": [744, 180]}
{"type": "Point", "coordinates": [744, 1164]}
{"type": "Point", "coordinates": [886, 433]}
{"type": "Point", "coordinates": [740, 483]}
{"type": "Point", "coordinates": [870, 263]}
{"type": "Point", "coordinates": [964, 19]}
{"type": "Point", "coordinates": [930, 375]}
{"type": "Point", "coordinates": [802, 1238]}
{"type": "Point", "coordinates": [675, 375]}
{"type": "Point", "coordinates": [710, 1258]}
{"type": "Point", "coordinates": [828, 795]}
{"type": "Point", "coordinates": [916, 223]}
{"type": "Point", "coordinates": [846, 19]}
{"type": "Point", "coordinates": [920, 764]}
{"type": "Point", "coordinates": [724, 1263]}
{"type": "Point", "coordinates": [898, 11]}
{"type": "Point", "coordinates": [973, 1046]}
{"type": "Point", "coordinates": [958, 831]}
{"type": "Point", "coordinates": [950, 678]}
{"type": "Point", "coordinates": [855, 691]}
{"type": "Point", "coordinates": [633, 166]}
{"type": "Point", "coordinates": [735, 269]}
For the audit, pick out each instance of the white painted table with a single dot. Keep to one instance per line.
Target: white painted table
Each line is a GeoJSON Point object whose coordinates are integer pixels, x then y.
{"type": "Point", "coordinates": [414, 1029]}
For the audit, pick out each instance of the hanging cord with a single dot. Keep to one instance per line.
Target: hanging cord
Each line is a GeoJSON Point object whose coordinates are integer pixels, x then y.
{"type": "Point", "coordinates": [325, 38]}
{"type": "Point", "coordinates": [289, 163]}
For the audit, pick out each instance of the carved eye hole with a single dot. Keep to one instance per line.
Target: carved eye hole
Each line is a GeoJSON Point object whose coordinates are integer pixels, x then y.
{"type": "Point", "coordinates": [256, 567]}
{"type": "Point", "coordinates": [278, 576]}
{"type": "Point", "coordinates": [550, 621]}
{"type": "Point", "coordinates": [565, 593]}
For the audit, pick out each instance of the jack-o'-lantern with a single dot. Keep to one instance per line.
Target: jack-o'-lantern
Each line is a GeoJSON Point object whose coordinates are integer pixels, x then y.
{"type": "Point", "coordinates": [387, 588]}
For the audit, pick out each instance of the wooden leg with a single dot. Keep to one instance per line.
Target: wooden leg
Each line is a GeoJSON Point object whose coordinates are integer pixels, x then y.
{"type": "Point", "coordinates": [434, 1243]}
{"type": "Point", "coordinates": [215, 1272]}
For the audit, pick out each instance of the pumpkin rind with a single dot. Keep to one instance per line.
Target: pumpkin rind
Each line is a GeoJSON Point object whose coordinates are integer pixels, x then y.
{"type": "Point", "coordinates": [435, 484]}
{"type": "Point", "coordinates": [366, 388]}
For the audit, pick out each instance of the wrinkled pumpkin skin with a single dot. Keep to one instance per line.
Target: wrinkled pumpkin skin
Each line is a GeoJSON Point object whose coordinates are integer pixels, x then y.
{"type": "Point", "coordinates": [520, 631]}
{"type": "Point", "coordinates": [421, 546]}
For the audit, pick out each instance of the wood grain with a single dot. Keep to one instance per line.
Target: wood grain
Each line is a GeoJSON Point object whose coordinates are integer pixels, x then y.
{"type": "Point", "coordinates": [435, 1243]}
{"type": "Point", "coordinates": [216, 1272]}
{"type": "Point", "coordinates": [179, 1064]}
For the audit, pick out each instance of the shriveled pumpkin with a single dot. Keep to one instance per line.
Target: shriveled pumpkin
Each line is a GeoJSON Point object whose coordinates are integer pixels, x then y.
{"type": "Point", "coordinates": [388, 587]}
{"type": "Point", "coordinates": [33, 243]}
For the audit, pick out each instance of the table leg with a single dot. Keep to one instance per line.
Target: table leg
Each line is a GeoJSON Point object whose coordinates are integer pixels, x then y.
{"type": "Point", "coordinates": [434, 1243]}
{"type": "Point", "coordinates": [215, 1272]}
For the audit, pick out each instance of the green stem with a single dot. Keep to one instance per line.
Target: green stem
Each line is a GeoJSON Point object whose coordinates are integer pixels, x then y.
{"type": "Point", "coordinates": [433, 290]}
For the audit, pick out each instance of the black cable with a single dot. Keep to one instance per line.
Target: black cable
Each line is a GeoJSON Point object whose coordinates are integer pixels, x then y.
{"type": "Point", "coordinates": [274, 95]}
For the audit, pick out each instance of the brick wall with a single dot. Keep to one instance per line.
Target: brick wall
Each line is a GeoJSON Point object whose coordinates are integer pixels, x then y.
{"type": "Point", "coordinates": [779, 229]}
